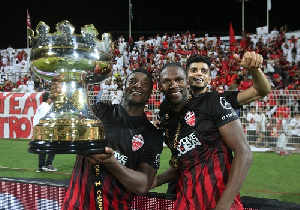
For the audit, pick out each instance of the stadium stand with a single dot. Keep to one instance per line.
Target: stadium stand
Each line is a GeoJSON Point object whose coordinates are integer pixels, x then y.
{"type": "Point", "coordinates": [277, 114]}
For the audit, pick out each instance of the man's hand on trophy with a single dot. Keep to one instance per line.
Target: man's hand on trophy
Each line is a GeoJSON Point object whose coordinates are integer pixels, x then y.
{"type": "Point", "coordinates": [104, 158]}
{"type": "Point", "coordinates": [55, 87]}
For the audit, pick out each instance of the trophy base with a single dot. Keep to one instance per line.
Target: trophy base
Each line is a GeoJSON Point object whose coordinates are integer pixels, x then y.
{"type": "Point", "coordinates": [67, 147]}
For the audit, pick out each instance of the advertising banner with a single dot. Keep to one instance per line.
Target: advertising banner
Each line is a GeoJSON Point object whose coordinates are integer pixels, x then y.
{"type": "Point", "coordinates": [16, 113]}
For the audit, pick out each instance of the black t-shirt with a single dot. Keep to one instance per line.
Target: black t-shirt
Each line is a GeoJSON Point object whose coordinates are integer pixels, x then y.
{"type": "Point", "coordinates": [36, 84]}
{"type": "Point", "coordinates": [141, 142]}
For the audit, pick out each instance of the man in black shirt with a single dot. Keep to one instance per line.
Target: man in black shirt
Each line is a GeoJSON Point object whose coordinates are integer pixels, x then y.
{"type": "Point", "coordinates": [132, 159]}
{"type": "Point", "coordinates": [203, 131]}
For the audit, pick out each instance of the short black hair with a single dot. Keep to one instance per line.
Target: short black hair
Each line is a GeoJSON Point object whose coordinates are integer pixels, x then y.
{"type": "Point", "coordinates": [45, 96]}
{"type": "Point", "coordinates": [173, 64]}
{"type": "Point", "coordinates": [142, 70]}
{"type": "Point", "coordinates": [197, 59]}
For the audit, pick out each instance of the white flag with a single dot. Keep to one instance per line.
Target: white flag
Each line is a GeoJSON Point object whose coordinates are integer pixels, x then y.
{"type": "Point", "coordinates": [262, 30]}
{"type": "Point", "coordinates": [269, 5]}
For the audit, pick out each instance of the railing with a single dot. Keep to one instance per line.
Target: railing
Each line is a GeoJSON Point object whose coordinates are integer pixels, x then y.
{"type": "Point", "coordinates": [275, 121]}
{"type": "Point", "coordinates": [13, 76]}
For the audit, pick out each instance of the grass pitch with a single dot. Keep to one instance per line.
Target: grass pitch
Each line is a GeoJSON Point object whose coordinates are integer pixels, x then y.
{"type": "Point", "coordinates": [271, 175]}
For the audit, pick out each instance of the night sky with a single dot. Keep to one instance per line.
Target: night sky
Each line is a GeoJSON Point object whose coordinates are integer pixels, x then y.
{"type": "Point", "coordinates": [149, 17]}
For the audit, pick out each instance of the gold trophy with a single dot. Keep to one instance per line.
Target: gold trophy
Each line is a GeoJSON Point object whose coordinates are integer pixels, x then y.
{"type": "Point", "coordinates": [70, 127]}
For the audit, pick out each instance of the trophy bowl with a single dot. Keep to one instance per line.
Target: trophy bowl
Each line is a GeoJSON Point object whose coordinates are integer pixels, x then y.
{"type": "Point", "coordinates": [70, 127]}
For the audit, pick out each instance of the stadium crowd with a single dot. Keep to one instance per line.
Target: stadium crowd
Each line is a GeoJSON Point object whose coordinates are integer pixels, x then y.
{"type": "Point", "coordinates": [268, 121]}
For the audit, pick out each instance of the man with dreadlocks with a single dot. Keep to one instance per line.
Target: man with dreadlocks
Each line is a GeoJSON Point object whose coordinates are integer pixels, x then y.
{"type": "Point", "coordinates": [203, 131]}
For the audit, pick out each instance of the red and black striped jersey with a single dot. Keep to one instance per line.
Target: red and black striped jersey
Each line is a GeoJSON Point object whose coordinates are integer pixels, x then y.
{"type": "Point", "coordinates": [135, 141]}
{"type": "Point", "coordinates": [204, 158]}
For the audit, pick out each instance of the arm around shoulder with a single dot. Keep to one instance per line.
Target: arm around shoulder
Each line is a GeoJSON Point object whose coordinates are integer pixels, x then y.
{"type": "Point", "coordinates": [163, 178]}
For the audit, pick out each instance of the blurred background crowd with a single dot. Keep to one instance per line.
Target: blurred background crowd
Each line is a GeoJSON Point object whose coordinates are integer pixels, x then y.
{"type": "Point", "coordinates": [271, 122]}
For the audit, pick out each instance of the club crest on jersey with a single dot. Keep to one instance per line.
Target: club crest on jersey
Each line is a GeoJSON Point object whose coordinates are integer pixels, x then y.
{"type": "Point", "coordinates": [224, 103]}
{"type": "Point", "coordinates": [190, 118]}
{"type": "Point", "coordinates": [137, 142]}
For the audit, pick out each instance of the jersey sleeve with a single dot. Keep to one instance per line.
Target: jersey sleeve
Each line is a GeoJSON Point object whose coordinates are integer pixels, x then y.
{"type": "Point", "coordinates": [221, 110]}
{"type": "Point", "coordinates": [231, 97]}
{"type": "Point", "coordinates": [153, 150]}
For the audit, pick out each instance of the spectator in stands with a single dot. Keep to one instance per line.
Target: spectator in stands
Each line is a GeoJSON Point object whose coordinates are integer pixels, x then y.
{"type": "Point", "coordinates": [22, 87]}
{"type": "Point", "coordinates": [8, 86]}
{"type": "Point", "coordinates": [116, 68]}
{"type": "Point", "coordinates": [25, 79]}
{"type": "Point", "coordinates": [281, 127]}
{"type": "Point", "coordinates": [246, 83]}
{"type": "Point", "coordinates": [5, 61]}
{"type": "Point", "coordinates": [135, 54]}
{"type": "Point", "coordinates": [278, 68]}
{"type": "Point", "coordinates": [120, 61]}
{"type": "Point", "coordinates": [47, 86]}
{"type": "Point", "coordinates": [19, 81]}
{"type": "Point", "coordinates": [115, 98]}
{"type": "Point", "coordinates": [122, 46]}
{"type": "Point", "coordinates": [19, 56]}
{"type": "Point", "coordinates": [285, 66]}
{"type": "Point", "coordinates": [261, 125]}
{"type": "Point", "coordinates": [114, 85]}
{"type": "Point", "coordinates": [282, 109]}
{"type": "Point", "coordinates": [30, 85]}
{"type": "Point", "coordinates": [117, 74]}
{"type": "Point", "coordinates": [294, 125]}
{"type": "Point", "coordinates": [252, 119]}
{"type": "Point", "coordinates": [37, 83]}
{"type": "Point", "coordinates": [278, 84]}
{"type": "Point", "coordinates": [234, 85]}
{"type": "Point", "coordinates": [41, 111]}
{"type": "Point", "coordinates": [105, 87]}
{"type": "Point", "coordinates": [40, 88]}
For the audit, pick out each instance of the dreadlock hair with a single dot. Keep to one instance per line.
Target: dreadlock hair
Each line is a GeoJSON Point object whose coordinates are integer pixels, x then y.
{"type": "Point", "coordinates": [173, 64]}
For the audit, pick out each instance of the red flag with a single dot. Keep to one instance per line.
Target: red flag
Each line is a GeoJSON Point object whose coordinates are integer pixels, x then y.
{"type": "Point", "coordinates": [28, 20]}
{"type": "Point", "coordinates": [231, 35]}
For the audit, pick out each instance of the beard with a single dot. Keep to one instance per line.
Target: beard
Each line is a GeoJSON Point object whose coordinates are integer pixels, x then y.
{"type": "Point", "coordinates": [178, 102]}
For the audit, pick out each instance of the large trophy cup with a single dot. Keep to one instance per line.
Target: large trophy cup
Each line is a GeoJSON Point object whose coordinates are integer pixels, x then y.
{"type": "Point", "coordinates": [70, 127]}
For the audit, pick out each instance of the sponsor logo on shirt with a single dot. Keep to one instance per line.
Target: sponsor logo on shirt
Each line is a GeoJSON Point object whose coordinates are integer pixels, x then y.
{"type": "Point", "coordinates": [190, 118]}
{"type": "Point", "coordinates": [228, 115]}
{"type": "Point", "coordinates": [187, 143]}
{"type": "Point", "coordinates": [137, 142]}
{"type": "Point", "coordinates": [121, 158]}
{"type": "Point", "coordinates": [224, 103]}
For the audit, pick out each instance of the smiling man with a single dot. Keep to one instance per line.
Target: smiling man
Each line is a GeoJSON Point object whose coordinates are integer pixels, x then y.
{"type": "Point", "coordinates": [199, 76]}
{"type": "Point", "coordinates": [109, 181]}
{"type": "Point", "coordinates": [203, 132]}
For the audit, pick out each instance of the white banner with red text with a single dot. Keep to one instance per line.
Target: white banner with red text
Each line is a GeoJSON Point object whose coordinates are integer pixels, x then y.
{"type": "Point", "coordinates": [16, 114]}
